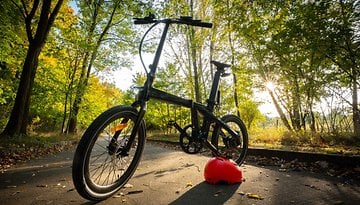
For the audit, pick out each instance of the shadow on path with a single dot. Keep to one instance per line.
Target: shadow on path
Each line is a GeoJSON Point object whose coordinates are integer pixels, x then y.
{"type": "Point", "coordinates": [207, 194]}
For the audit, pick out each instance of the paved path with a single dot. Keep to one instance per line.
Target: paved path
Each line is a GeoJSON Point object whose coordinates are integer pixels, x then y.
{"type": "Point", "coordinates": [166, 176]}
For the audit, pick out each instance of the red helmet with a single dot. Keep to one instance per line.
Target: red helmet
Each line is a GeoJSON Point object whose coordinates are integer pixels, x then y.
{"type": "Point", "coordinates": [220, 169]}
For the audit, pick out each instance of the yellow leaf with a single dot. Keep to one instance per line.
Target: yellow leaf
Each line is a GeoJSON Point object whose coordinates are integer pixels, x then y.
{"type": "Point", "coordinates": [254, 196]}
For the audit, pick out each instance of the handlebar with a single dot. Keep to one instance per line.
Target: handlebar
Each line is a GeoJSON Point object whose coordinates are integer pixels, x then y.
{"type": "Point", "coordinates": [150, 19]}
{"type": "Point", "coordinates": [187, 20]}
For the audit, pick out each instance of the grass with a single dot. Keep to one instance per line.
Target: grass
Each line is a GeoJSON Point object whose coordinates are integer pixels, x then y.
{"type": "Point", "coordinates": [33, 139]}
{"type": "Point", "coordinates": [161, 136]}
{"type": "Point", "coordinates": [277, 138]}
{"type": "Point", "coordinates": [268, 138]}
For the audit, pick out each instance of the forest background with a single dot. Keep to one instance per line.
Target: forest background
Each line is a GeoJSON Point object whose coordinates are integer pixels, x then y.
{"type": "Point", "coordinates": [61, 65]}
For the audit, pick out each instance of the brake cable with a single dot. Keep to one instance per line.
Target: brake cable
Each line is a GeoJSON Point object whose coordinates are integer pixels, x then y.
{"type": "Point", "coordinates": [141, 43]}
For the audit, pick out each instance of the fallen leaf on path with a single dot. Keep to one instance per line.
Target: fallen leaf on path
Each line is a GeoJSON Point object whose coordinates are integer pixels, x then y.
{"type": "Point", "coordinates": [189, 184]}
{"type": "Point", "coordinates": [11, 186]}
{"type": "Point", "coordinates": [15, 193]}
{"type": "Point", "coordinates": [217, 193]}
{"type": "Point", "coordinates": [128, 186]}
{"type": "Point", "coordinates": [312, 186]}
{"type": "Point", "coordinates": [135, 192]}
{"type": "Point", "coordinates": [42, 185]}
{"type": "Point", "coordinates": [254, 196]}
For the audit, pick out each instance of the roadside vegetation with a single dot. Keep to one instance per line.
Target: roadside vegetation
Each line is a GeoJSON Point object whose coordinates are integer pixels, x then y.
{"type": "Point", "coordinates": [58, 59]}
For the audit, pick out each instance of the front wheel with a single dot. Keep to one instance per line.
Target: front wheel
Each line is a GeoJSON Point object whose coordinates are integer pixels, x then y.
{"type": "Point", "coordinates": [228, 145]}
{"type": "Point", "coordinates": [101, 164]}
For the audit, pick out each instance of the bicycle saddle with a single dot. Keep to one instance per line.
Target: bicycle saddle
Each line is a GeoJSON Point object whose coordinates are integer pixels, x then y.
{"type": "Point", "coordinates": [220, 65]}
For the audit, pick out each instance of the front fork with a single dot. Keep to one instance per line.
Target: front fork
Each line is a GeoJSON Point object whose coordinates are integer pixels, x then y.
{"type": "Point", "coordinates": [113, 145]}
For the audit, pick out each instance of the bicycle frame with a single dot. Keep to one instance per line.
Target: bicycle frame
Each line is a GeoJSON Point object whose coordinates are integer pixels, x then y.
{"type": "Point", "coordinates": [148, 92]}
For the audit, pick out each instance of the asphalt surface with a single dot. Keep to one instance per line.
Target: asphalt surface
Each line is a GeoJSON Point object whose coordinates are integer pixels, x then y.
{"type": "Point", "coordinates": [168, 176]}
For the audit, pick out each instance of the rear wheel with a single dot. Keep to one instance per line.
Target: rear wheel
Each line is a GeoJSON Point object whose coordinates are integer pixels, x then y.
{"type": "Point", "coordinates": [101, 165]}
{"type": "Point", "coordinates": [234, 147]}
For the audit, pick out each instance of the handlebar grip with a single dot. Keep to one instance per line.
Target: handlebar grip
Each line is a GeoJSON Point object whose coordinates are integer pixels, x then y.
{"type": "Point", "coordinates": [203, 24]}
{"type": "Point", "coordinates": [143, 21]}
{"type": "Point", "coordinates": [197, 23]}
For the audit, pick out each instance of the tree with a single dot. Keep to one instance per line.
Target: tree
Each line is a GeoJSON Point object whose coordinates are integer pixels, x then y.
{"type": "Point", "coordinates": [344, 49]}
{"type": "Point", "coordinates": [101, 21]}
{"type": "Point", "coordinates": [37, 31]}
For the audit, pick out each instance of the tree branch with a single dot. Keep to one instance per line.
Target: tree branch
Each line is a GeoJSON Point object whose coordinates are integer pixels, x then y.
{"type": "Point", "coordinates": [54, 14]}
{"type": "Point", "coordinates": [23, 12]}
{"type": "Point", "coordinates": [29, 18]}
{"type": "Point", "coordinates": [33, 9]}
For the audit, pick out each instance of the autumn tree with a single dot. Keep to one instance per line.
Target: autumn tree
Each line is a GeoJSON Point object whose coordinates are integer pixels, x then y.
{"type": "Point", "coordinates": [38, 17]}
{"type": "Point", "coordinates": [106, 27]}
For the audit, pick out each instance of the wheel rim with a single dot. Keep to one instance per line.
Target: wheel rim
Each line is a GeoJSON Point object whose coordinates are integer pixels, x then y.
{"type": "Point", "coordinates": [104, 169]}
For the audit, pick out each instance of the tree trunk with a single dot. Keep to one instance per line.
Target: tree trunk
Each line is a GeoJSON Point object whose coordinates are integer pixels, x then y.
{"type": "Point", "coordinates": [68, 96]}
{"type": "Point", "coordinates": [234, 73]}
{"type": "Point", "coordinates": [193, 57]}
{"type": "Point", "coordinates": [236, 95]}
{"type": "Point", "coordinates": [296, 115]}
{"type": "Point", "coordinates": [18, 120]}
{"type": "Point", "coordinates": [355, 109]}
{"type": "Point", "coordinates": [80, 91]}
{"type": "Point", "coordinates": [312, 121]}
{"type": "Point", "coordinates": [194, 65]}
{"type": "Point", "coordinates": [280, 112]}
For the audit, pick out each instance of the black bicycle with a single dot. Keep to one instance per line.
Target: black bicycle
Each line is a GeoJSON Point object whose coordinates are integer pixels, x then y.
{"type": "Point", "coordinates": [111, 147]}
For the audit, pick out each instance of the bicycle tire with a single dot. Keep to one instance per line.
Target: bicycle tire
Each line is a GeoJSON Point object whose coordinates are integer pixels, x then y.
{"type": "Point", "coordinates": [239, 146]}
{"type": "Point", "coordinates": [91, 149]}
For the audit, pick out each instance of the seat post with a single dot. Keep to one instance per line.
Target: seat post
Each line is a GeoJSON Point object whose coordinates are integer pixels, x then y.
{"type": "Point", "coordinates": [214, 90]}
{"type": "Point", "coordinates": [220, 69]}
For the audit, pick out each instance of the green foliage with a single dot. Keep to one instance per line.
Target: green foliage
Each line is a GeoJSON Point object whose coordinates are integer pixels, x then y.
{"type": "Point", "coordinates": [250, 113]}
{"type": "Point", "coordinates": [100, 96]}
{"type": "Point", "coordinates": [308, 49]}
{"type": "Point", "coordinates": [12, 51]}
